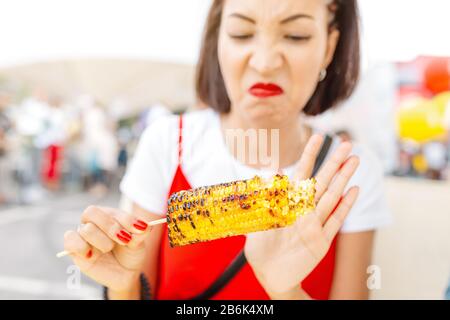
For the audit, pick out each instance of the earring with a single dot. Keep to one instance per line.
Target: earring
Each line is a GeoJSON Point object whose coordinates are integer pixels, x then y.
{"type": "Point", "coordinates": [323, 74]}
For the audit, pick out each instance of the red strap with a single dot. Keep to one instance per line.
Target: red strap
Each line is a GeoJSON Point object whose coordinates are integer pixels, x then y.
{"type": "Point", "coordinates": [180, 138]}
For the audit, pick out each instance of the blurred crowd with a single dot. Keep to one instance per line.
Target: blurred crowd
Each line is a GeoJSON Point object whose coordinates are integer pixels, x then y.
{"type": "Point", "coordinates": [429, 160]}
{"type": "Point", "coordinates": [50, 145]}
{"type": "Point", "coordinates": [423, 118]}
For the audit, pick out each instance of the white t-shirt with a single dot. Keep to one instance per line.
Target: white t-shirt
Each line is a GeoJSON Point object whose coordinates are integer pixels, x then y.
{"type": "Point", "coordinates": [206, 161]}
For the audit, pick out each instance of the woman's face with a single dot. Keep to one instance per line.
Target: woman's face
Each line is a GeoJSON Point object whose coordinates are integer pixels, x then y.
{"type": "Point", "coordinates": [271, 53]}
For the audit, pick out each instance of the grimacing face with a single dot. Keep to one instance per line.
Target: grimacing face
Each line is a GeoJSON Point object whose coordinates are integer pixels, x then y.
{"type": "Point", "coordinates": [271, 53]}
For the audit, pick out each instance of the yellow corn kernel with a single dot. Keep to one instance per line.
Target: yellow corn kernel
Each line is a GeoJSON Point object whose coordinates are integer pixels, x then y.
{"type": "Point", "coordinates": [237, 208]}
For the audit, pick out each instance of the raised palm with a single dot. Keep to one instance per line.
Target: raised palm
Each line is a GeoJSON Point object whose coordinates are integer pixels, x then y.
{"type": "Point", "coordinates": [282, 258]}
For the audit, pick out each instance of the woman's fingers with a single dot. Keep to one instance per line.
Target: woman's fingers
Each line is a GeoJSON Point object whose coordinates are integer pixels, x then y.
{"type": "Point", "coordinates": [335, 221]}
{"type": "Point", "coordinates": [129, 221]}
{"type": "Point", "coordinates": [329, 169]}
{"type": "Point", "coordinates": [135, 225]}
{"type": "Point", "coordinates": [120, 227]}
{"type": "Point", "coordinates": [333, 194]}
{"type": "Point", "coordinates": [106, 222]}
{"type": "Point", "coordinates": [75, 244]}
{"type": "Point", "coordinates": [96, 237]}
{"type": "Point", "coordinates": [308, 158]}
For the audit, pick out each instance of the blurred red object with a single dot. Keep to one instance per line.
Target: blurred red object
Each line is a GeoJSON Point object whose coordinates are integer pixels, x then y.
{"type": "Point", "coordinates": [410, 92]}
{"type": "Point", "coordinates": [51, 167]}
{"type": "Point", "coordinates": [437, 75]}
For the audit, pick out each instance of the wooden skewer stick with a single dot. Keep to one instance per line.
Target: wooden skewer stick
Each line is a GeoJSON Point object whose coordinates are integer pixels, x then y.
{"type": "Point", "coordinates": [151, 223]}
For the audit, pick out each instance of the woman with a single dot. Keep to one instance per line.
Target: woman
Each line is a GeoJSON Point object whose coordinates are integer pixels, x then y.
{"type": "Point", "coordinates": [263, 65]}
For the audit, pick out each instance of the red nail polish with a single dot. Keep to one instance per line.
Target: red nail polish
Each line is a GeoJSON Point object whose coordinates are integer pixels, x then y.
{"type": "Point", "coordinates": [122, 238]}
{"type": "Point", "coordinates": [125, 234]}
{"type": "Point", "coordinates": [89, 254]}
{"type": "Point", "coordinates": [140, 225]}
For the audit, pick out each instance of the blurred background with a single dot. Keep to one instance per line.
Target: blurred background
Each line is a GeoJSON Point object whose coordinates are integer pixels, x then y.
{"type": "Point", "coordinates": [80, 80]}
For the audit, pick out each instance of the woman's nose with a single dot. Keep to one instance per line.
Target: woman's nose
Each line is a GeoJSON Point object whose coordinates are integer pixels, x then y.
{"type": "Point", "coordinates": [266, 59]}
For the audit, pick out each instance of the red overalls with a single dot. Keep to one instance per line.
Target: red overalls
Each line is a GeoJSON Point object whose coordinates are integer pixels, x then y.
{"type": "Point", "coordinates": [187, 271]}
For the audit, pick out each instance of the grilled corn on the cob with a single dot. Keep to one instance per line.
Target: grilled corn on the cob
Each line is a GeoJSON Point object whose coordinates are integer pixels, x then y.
{"type": "Point", "coordinates": [236, 208]}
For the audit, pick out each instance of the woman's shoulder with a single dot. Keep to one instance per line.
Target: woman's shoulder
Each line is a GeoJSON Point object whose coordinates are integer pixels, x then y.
{"type": "Point", "coordinates": [199, 121]}
{"type": "Point", "coordinates": [164, 130]}
{"type": "Point", "coordinates": [192, 121]}
{"type": "Point", "coordinates": [161, 137]}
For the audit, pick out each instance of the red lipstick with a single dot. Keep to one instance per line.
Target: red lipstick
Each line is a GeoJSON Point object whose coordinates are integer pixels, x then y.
{"type": "Point", "coordinates": [265, 90]}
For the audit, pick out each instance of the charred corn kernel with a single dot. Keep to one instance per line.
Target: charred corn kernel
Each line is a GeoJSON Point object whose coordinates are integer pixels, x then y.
{"type": "Point", "coordinates": [237, 208]}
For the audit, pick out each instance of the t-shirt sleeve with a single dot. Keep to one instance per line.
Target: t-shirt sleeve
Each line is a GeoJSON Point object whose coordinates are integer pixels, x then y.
{"type": "Point", "coordinates": [146, 181]}
{"type": "Point", "coordinates": [370, 210]}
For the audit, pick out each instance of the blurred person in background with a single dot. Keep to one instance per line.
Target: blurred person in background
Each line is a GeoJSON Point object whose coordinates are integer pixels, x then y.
{"type": "Point", "coordinates": [404, 163]}
{"type": "Point", "coordinates": [124, 137]}
{"type": "Point", "coordinates": [100, 146]}
{"type": "Point", "coordinates": [263, 65]}
{"type": "Point", "coordinates": [73, 150]}
{"type": "Point", "coordinates": [52, 140]}
{"type": "Point", "coordinates": [3, 166]}
{"type": "Point", "coordinates": [31, 119]}
{"type": "Point", "coordinates": [435, 153]}
{"type": "Point", "coordinates": [5, 126]}
{"type": "Point", "coordinates": [408, 161]}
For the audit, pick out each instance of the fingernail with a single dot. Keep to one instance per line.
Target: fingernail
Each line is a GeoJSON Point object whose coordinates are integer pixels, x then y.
{"type": "Point", "coordinates": [124, 236]}
{"type": "Point", "coordinates": [89, 254]}
{"type": "Point", "coordinates": [140, 225]}
{"type": "Point", "coordinates": [123, 239]}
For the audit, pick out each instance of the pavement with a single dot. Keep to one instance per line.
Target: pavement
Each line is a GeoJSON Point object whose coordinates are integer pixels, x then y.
{"type": "Point", "coordinates": [413, 253]}
{"type": "Point", "coordinates": [30, 236]}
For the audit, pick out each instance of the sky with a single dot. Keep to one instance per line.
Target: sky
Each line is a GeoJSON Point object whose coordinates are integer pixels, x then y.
{"type": "Point", "coordinates": [170, 30]}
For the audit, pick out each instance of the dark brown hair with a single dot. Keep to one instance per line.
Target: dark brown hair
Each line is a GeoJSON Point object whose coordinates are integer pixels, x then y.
{"type": "Point", "coordinates": [342, 73]}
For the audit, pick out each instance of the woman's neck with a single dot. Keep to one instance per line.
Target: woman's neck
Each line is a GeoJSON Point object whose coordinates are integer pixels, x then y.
{"type": "Point", "coordinates": [285, 147]}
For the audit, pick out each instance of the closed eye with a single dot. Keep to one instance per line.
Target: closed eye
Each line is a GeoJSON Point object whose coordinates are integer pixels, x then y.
{"type": "Point", "coordinates": [297, 38]}
{"type": "Point", "coordinates": [241, 36]}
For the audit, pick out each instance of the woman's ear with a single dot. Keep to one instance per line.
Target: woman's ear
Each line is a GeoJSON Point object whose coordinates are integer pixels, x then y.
{"type": "Point", "coordinates": [333, 39]}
